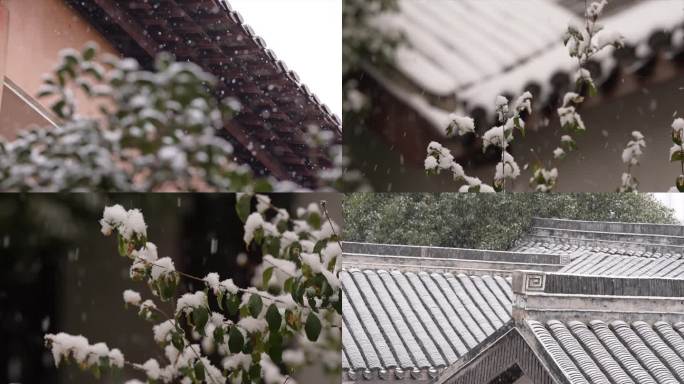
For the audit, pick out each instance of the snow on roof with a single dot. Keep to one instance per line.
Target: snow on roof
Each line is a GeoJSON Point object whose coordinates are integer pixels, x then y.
{"type": "Point", "coordinates": [582, 238]}
{"type": "Point", "coordinates": [404, 325]}
{"type": "Point", "coordinates": [475, 50]}
{"type": "Point", "coordinates": [453, 44]}
{"type": "Point", "coordinates": [615, 352]}
{"type": "Point", "coordinates": [270, 130]}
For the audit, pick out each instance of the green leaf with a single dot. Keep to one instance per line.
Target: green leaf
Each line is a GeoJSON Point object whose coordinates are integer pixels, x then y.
{"type": "Point", "coordinates": [89, 52]}
{"type": "Point", "coordinates": [242, 206]}
{"type": "Point", "coordinates": [199, 370]}
{"type": "Point", "coordinates": [312, 327]}
{"type": "Point", "coordinates": [219, 332]}
{"type": "Point", "coordinates": [273, 318]}
{"type": "Point", "coordinates": [177, 341]}
{"type": "Point", "coordinates": [275, 347]}
{"type": "Point", "coordinates": [320, 245]}
{"type": "Point", "coordinates": [677, 156]}
{"type": "Point", "coordinates": [123, 251]}
{"type": "Point", "coordinates": [312, 303]}
{"type": "Point", "coordinates": [287, 286]}
{"type": "Point", "coordinates": [167, 288]}
{"type": "Point", "coordinates": [235, 340]}
{"type": "Point", "coordinates": [200, 316]}
{"type": "Point", "coordinates": [254, 304]}
{"type": "Point", "coordinates": [232, 304]}
{"type": "Point", "coordinates": [255, 372]}
{"type": "Point", "coordinates": [268, 272]}
{"type": "Point", "coordinates": [219, 299]}
{"type": "Point", "coordinates": [314, 220]}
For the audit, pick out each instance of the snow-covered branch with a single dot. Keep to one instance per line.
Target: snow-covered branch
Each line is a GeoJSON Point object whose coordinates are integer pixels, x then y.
{"type": "Point", "coordinates": [296, 301]}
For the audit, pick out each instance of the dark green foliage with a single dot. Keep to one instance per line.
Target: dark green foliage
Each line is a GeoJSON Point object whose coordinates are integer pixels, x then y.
{"type": "Point", "coordinates": [487, 221]}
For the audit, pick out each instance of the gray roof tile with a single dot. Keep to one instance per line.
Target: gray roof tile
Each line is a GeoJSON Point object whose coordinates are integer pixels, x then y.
{"type": "Point", "coordinates": [423, 321]}
{"type": "Point", "coordinates": [618, 352]}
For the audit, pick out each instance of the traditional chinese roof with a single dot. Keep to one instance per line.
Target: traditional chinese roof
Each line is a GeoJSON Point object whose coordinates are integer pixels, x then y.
{"type": "Point", "coordinates": [625, 330]}
{"type": "Point", "coordinates": [582, 238]}
{"type": "Point", "coordinates": [406, 325]}
{"type": "Point", "coordinates": [269, 132]}
{"type": "Point", "coordinates": [396, 296]}
{"type": "Point", "coordinates": [519, 47]}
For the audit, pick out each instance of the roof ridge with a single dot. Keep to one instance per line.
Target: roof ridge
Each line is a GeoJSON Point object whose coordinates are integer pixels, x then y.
{"type": "Point", "coordinates": [473, 263]}
{"type": "Point", "coordinates": [555, 295]}
{"type": "Point", "coordinates": [423, 250]}
{"type": "Point", "coordinates": [663, 229]}
{"type": "Point", "coordinates": [280, 64]}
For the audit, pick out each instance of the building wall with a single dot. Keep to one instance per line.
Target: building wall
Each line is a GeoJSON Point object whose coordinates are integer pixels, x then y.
{"type": "Point", "coordinates": [38, 31]}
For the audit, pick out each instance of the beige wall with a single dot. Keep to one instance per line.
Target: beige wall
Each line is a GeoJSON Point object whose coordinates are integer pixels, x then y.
{"type": "Point", "coordinates": [38, 30]}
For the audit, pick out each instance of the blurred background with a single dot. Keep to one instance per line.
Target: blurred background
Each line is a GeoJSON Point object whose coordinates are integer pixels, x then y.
{"type": "Point", "coordinates": [59, 273]}
{"type": "Point", "coordinates": [409, 64]}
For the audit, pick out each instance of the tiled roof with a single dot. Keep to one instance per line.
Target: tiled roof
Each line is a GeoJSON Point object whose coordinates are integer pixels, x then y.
{"type": "Point", "coordinates": [587, 329]}
{"type": "Point", "coordinates": [514, 53]}
{"type": "Point", "coordinates": [269, 133]}
{"type": "Point", "coordinates": [443, 259]}
{"type": "Point", "coordinates": [405, 325]}
{"type": "Point", "coordinates": [414, 313]}
{"type": "Point", "coordinates": [577, 238]}
{"type": "Point", "coordinates": [615, 352]}
{"type": "Point", "coordinates": [440, 58]}
{"type": "Point", "coordinates": [619, 265]}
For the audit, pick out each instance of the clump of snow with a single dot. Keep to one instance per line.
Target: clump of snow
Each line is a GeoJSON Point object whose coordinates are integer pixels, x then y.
{"type": "Point", "coordinates": [596, 8]}
{"type": "Point", "coordinates": [112, 217]}
{"type": "Point", "coordinates": [507, 169]}
{"type": "Point", "coordinates": [162, 268]}
{"type": "Point", "coordinates": [191, 301]}
{"type": "Point", "coordinates": [134, 224]}
{"type": "Point", "coordinates": [460, 125]}
{"type": "Point", "coordinates": [252, 325]}
{"type": "Point", "coordinates": [286, 266]}
{"type": "Point", "coordinates": [147, 308]}
{"type": "Point", "coordinates": [475, 184]}
{"type": "Point", "coordinates": [332, 279]}
{"type": "Point", "coordinates": [237, 361]}
{"type": "Point", "coordinates": [128, 223]}
{"type": "Point", "coordinates": [270, 372]}
{"type": "Point", "coordinates": [229, 286]}
{"type": "Point", "coordinates": [132, 297]}
{"type": "Point", "coordinates": [605, 38]}
{"type": "Point", "coordinates": [64, 345]}
{"type": "Point", "coordinates": [544, 180]}
{"type": "Point", "coordinates": [263, 203]}
{"type": "Point", "coordinates": [524, 102]}
{"type": "Point", "coordinates": [293, 357]}
{"type": "Point", "coordinates": [312, 260]}
{"type": "Point", "coordinates": [212, 280]}
{"type": "Point", "coordinates": [558, 153]}
{"type": "Point", "coordinates": [213, 375]}
{"type": "Point", "coordinates": [163, 331]}
{"type": "Point", "coordinates": [430, 163]}
{"type": "Point", "coordinates": [633, 151]}
{"type": "Point", "coordinates": [116, 358]}
{"type": "Point", "coordinates": [151, 368]}
{"type": "Point", "coordinates": [495, 136]}
{"type": "Point", "coordinates": [147, 253]}
{"type": "Point", "coordinates": [678, 124]}
{"type": "Point", "coordinates": [254, 222]}
{"type": "Point", "coordinates": [331, 250]}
